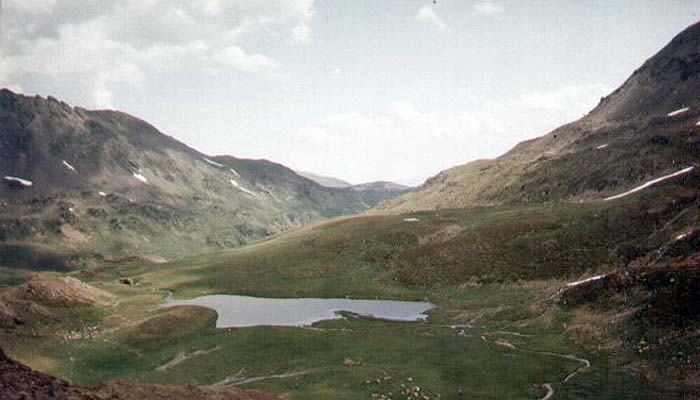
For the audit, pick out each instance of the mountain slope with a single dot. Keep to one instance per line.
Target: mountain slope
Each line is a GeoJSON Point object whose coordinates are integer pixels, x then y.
{"type": "Point", "coordinates": [327, 181]}
{"type": "Point", "coordinates": [104, 181]}
{"type": "Point", "coordinates": [646, 128]}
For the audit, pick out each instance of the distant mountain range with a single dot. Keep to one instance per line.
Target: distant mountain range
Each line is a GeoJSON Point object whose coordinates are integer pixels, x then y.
{"type": "Point", "coordinates": [331, 182]}
{"type": "Point", "coordinates": [648, 127]}
{"type": "Point", "coordinates": [326, 181]}
{"type": "Point", "coordinates": [86, 181]}
{"type": "Point", "coordinates": [373, 192]}
{"type": "Point", "coordinates": [104, 182]}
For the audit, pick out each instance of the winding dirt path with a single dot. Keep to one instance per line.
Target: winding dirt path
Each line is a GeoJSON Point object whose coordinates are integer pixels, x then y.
{"type": "Point", "coordinates": [585, 364]}
{"type": "Point", "coordinates": [549, 391]}
{"type": "Point", "coordinates": [238, 380]}
{"type": "Point", "coordinates": [182, 356]}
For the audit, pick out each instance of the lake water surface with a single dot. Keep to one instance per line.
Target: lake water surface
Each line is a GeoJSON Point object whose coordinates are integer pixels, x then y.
{"type": "Point", "coordinates": [245, 311]}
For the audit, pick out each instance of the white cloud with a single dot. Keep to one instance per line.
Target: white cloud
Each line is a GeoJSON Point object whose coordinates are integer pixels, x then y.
{"type": "Point", "coordinates": [12, 87]}
{"type": "Point", "coordinates": [101, 44]}
{"type": "Point", "coordinates": [211, 7]}
{"type": "Point", "coordinates": [408, 112]}
{"type": "Point", "coordinates": [406, 143]}
{"type": "Point", "coordinates": [487, 7]}
{"type": "Point", "coordinates": [82, 56]}
{"type": "Point", "coordinates": [563, 99]}
{"type": "Point", "coordinates": [302, 33]}
{"type": "Point", "coordinates": [234, 56]}
{"type": "Point", "coordinates": [34, 6]}
{"type": "Point", "coordinates": [426, 14]}
{"type": "Point", "coordinates": [314, 133]}
{"type": "Point", "coordinates": [7, 68]}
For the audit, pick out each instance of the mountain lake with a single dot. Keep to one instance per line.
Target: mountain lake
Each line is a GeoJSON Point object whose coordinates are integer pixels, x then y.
{"type": "Point", "coordinates": [245, 311]}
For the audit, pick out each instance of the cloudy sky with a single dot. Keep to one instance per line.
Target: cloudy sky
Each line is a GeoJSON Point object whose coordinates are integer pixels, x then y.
{"type": "Point", "coordinates": [361, 90]}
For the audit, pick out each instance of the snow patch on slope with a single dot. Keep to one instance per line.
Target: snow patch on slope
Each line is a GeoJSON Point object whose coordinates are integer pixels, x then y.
{"type": "Point", "coordinates": [677, 112]}
{"type": "Point", "coordinates": [68, 166]}
{"type": "Point", "coordinates": [212, 162]}
{"type": "Point", "coordinates": [650, 183]}
{"type": "Point", "coordinates": [140, 177]}
{"type": "Point", "coordinates": [591, 279]}
{"type": "Point", "coordinates": [237, 186]}
{"type": "Point", "coordinates": [683, 235]}
{"type": "Point", "coordinates": [23, 182]}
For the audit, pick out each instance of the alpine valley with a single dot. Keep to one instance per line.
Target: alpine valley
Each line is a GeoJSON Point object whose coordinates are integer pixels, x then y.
{"type": "Point", "coordinates": [567, 268]}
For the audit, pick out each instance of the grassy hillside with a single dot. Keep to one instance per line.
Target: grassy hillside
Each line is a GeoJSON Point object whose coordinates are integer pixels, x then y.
{"type": "Point", "coordinates": [106, 183]}
{"type": "Point", "coordinates": [627, 139]}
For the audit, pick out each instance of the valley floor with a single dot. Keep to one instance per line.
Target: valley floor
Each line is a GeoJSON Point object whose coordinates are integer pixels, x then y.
{"type": "Point", "coordinates": [501, 329]}
{"type": "Point", "coordinates": [487, 355]}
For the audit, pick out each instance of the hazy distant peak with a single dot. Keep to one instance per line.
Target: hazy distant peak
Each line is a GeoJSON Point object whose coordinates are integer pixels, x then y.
{"type": "Point", "coordinates": [326, 181]}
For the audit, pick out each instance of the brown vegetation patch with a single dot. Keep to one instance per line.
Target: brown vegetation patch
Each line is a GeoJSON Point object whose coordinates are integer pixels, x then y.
{"type": "Point", "coordinates": [54, 289]}
{"type": "Point", "coordinates": [127, 390]}
{"type": "Point", "coordinates": [34, 298]}
{"type": "Point", "coordinates": [544, 320]}
{"type": "Point", "coordinates": [648, 312]}
{"type": "Point", "coordinates": [18, 381]}
{"type": "Point", "coordinates": [443, 235]}
{"type": "Point", "coordinates": [72, 235]}
{"type": "Point", "coordinates": [165, 328]}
